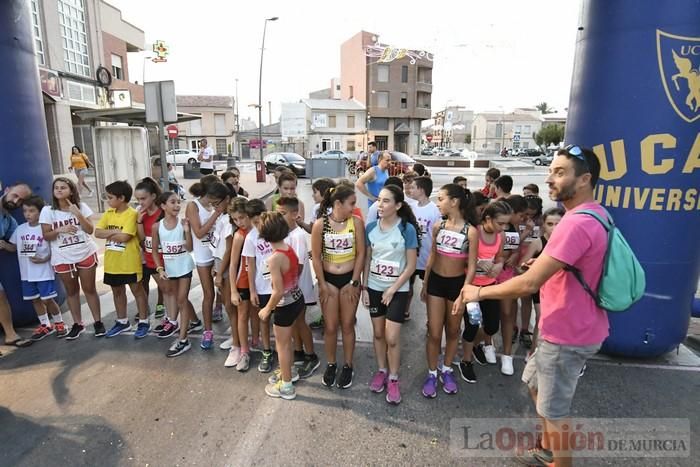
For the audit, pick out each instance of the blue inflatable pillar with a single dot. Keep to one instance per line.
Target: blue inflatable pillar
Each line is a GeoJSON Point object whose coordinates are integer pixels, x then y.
{"type": "Point", "coordinates": [635, 99]}
{"type": "Point", "coordinates": [25, 156]}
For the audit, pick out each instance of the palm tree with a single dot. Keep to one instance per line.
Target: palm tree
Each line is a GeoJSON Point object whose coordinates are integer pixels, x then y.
{"type": "Point", "coordinates": [544, 108]}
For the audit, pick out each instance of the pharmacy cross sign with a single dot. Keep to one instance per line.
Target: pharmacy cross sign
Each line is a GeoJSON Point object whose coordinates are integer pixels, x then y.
{"type": "Point", "coordinates": [161, 50]}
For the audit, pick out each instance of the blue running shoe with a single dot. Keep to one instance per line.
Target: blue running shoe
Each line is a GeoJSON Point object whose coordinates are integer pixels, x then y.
{"type": "Point", "coordinates": [118, 328]}
{"type": "Point", "coordinates": [142, 330]}
{"type": "Point", "coordinates": [207, 340]}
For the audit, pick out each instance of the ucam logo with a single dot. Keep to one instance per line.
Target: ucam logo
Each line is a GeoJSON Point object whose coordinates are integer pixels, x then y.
{"type": "Point", "coordinates": [679, 65]}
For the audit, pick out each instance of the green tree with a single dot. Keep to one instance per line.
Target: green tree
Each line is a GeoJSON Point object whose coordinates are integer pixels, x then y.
{"type": "Point", "coordinates": [550, 134]}
{"type": "Point", "coordinates": [544, 108]}
{"type": "Point", "coordinates": [467, 139]}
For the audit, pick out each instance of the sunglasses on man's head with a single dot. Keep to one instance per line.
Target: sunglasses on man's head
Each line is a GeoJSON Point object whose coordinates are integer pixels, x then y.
{"type": "Point", "coordinates": [577, 152]}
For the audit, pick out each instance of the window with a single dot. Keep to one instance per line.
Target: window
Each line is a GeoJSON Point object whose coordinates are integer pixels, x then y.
{"type": "Point", "coordinates": [404, 73]}
{"type": "Point", "coordinates": [196, 127]}
{"type": "Point", "coordinates": [383, 73]}
{"type": "Point", "coordinates": [527, 130]}
{"type": "Point", "coordinates": [36, 30]}
{"type": "Point", "coordinates": [351, 121]}
{"type": "Point", "coordinates": [331, 121]}
{"type": "Point", "coordinates": [336, 145]}
{"type": "Point", "coordinates": [220, 124]}
{"type": "Point", "coordinates": [404, 100]}
{"type": "Point", "coordinates": [383, 99]}
{"type": "Point", "coordinates": [350, 146]}
{"type": "Point", "coordinates": [117, 69]}
{"type": "Point", "coordinates": [499, 130]}
{"type": "Point", "coordinates": [221, 146]}
{"type": "Point", "coordinates": [517, 128]}
{"type": "Point", "coordinates": [71, 15]}
{"type": "Point", "coordinates": [498, 146]}
{"type": "Point", "coordinates": [352, 92]}
{"type": "Point", "coordinates": [337, 87]}
{"type": "Point", "coordinates": [381, 124]}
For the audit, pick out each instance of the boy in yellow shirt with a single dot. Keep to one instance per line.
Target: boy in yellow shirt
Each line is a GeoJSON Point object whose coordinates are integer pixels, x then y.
{"type": "Point", "coordinates": [123, 258]}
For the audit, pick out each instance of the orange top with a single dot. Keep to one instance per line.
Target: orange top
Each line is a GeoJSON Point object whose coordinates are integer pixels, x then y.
{"type": "Point", "coordinates": [78, 161]}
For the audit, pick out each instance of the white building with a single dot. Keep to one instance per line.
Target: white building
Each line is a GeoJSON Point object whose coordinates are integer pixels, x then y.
{"type": "Point", "coordinates": [335, 124]}
{"type": "Point", "coordinates": [492, 131]}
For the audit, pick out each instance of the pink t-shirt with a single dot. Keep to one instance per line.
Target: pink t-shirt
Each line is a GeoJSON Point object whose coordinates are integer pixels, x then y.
{"type": "Point", "coordinates": [569, 315]}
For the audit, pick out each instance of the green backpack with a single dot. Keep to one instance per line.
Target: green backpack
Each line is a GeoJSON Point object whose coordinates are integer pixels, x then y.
{"type": "Point", "coordinates": [623, 281]}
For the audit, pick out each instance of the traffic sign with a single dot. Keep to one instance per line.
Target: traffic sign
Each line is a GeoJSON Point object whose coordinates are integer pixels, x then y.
{"type": "Point", "coordinates": [429, 138]}
{"type": "Point", "coordinates": [172, 131]}
{"type": "Point", "coordinates": [516, 137]}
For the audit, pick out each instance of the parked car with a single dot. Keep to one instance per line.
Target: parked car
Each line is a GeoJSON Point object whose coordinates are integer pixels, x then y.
{"type": "Point", "coordinates": [292, 161]}
{"type": "Point", "coordinates": [333, 154]}
{"type": "Point", "coordinates": [181, 156]}
{"type": "Point", "coordinates": [438, 150]}
{"type": "Point", "coordinates": [544, 159]}
{"type": "Point", "coordinates": [448, 153]}
{"type": "Point", "coordinates": [533, 152]}
{"type": "Point", "coordinates": [400, 163]}
{"type": "Point", "coordinates": [426, 152]}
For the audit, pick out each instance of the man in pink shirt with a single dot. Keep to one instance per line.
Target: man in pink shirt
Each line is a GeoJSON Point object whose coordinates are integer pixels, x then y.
{"type": "Point", "coordinates": [571, 325]}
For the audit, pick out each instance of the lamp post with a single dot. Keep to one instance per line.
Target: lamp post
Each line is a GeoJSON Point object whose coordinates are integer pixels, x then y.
{"type": "Point", "coordinates": [262, 50]}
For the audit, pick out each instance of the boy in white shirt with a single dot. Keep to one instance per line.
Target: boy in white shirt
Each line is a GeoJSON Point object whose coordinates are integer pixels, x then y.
{"type": "Point", "coordinates": [38, 278]}
{"type": "Point", "coordinates": [305, 362]}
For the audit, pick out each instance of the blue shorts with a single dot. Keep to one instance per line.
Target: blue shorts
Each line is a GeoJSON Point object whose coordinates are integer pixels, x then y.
{"type": "Point", "coordinates": [42, 289]}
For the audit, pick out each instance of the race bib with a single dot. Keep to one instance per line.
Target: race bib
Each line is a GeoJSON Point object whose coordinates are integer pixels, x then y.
{"type": "Point", "coordinates": [512, 241]}
{"type": "Point", "coordinates": [208, 237]}
{"type": "Point", "coordinates": [214, 240]}
{"type": "Point", "coordinates": [173, 250]}
{"type": "Point", "coordinates": [383, 270]}
{"type": "Point", "coordinates": [265, 272]}
{"type": "Point", "coordinates": [28, 249]}
{"type": "Point", "coordinates": [290, 297]}
{"type": "Point", "coordinates": [535, 234]}
{"type": "Point", "coordinates": [449, 242]}
{"type": "Point", "coordinates": [116, 246]}
{"type": "Point", "coordinates": [68, 242]}
{"type": "Point", "coordinates": [482, 264]}
{"type": "Point", "coordinates": [339, 244]}
{"type": "Point", "coordinates": [148, 245]}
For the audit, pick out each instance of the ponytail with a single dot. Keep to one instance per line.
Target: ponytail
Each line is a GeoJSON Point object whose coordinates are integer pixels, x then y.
{"type": "Point", "coordinates": [163, 199]}
{"type": "Point", "coordinates": [405, 212]}
{"type": "Point", "coordinates": [497, 208]}
{"type": "Point", "coordinates": [466, 201]}
{"type": "Point", "coordinates": [149, 185]}
{"type": "Point", "coordinates": [337, 193]}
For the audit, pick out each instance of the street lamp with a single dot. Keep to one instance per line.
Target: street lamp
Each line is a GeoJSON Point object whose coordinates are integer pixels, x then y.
{"type": "Point", "coordinates": [262, 50]}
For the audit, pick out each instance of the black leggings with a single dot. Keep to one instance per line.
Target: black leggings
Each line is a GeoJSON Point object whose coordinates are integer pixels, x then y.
{"type": "Point", "coordinates": [490, 319]}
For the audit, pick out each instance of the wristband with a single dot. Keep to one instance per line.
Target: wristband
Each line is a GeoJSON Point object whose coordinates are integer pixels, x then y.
{"type": "Point", "coordinates": [160, 268]}
{"type": "Point", "coordinates": [478, 292]}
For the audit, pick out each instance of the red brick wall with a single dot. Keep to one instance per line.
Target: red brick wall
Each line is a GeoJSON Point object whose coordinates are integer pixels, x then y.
{"type": "Point", "coordinates": [116, 46]}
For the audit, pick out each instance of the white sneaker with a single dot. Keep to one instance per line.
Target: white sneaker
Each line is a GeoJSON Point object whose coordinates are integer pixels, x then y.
{"type": "Point", "coordinates": [234, 356]}
{"type": "Point", "coordinates": [227, 344]}
{"type": "Point", "coordinates": [243, 363]}
{"type": "Point", "coordinates": [490, 354]}
{"type": "Point", "coordinates": [507, 365]}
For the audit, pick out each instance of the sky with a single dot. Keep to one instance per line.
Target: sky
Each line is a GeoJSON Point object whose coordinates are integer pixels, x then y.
{"type": "Point", "coordinates": [488, 55]}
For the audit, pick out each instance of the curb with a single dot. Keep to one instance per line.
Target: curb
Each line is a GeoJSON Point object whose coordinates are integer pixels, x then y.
{"type": "Point", "coordinates": [693, 342]}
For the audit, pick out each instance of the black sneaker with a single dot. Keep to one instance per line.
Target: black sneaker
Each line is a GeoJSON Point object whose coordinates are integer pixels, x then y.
{"type": "Point", "coordinates": [75, 331]}
{"type": "Point", "coordinates": [526, 339]}
{"type": "Point", "coordinates": [195, 326]}
{"type": "Point", "coordinates": [265, 365]}
{"type": "Point", "coordinates": [345, 379]}
{"type": "Point", "coordinates": [100, 330]}
{"type": "Point", "coordinates": [478, 354]}
{"type": "Point", "coordinates": [178, 348]}
{"type": "Point", "coordinates": [298, 357]}
{"type": "Point", "coordinates": [466, 369]}
{"type": "Point", "coordinates": [329, 375]}
{"type": "Point", "coordinates": [317, 324]}
{"type": "Point", "coordinates": [311, 364]}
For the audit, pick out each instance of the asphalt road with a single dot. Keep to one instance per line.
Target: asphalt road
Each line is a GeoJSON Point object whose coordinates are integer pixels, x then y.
{"type": "Point", "coordinates": [114, 402]}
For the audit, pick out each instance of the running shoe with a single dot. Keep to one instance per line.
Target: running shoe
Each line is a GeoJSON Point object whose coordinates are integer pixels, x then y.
{"type": "Point", "coordinates": [168, 330]}
{"type": "Point", "coordinates": [317, 324]}
{"type": "Point", "coordinates": [449, 385]}
{"type": "Point", "coordinates": [142, 330]}
{"type": "Point", "coordinates": [243, 362]}
{"type": "Point", "coordinates": [178, 348]}
{"type": "Point", "coordinates": [41, 332]}
{"type": "Point", "coordinates": [393, 394]}
{"type": "Point", "coordinates": [160, 327]}
{"type": "Point", "coordinates": [60, 329]}
{"type": "Point", "coordinates": [276, 375]}
{"type": "Point", "coordinates": [99, 328]}
{"type": "Point", "coordinates": [536, 456]}
{"type": "Point", "coordinates": [75, 331]}
{"type": "Point", "coordinates": [466, 369]}
{"type": "Point", "coordinates": [328, 379]}
{"type": "Point", "coordinates": [218, 313]}
{"type": "Point", "coordinates": [256, 345]}
{"type": "Point", "coordinates": [160, 311]}
{"type": "Point", "coordinates": [311, 364]}
{"type": "Point", "coordinates": [430, 386]}
{"type": "Point", "coordinates": [281, 390]}
{"type": "Point", "coordinates": [207, 340]}
{"type": "Point", "coordinates": [478, 354]}
{"type": "Point", "coordinates": [378, 382]}
{"type": "Point", "coordinates": [298, 358]}
{"type": "Point", "coordinates": [526, 339]}
{"type": "Point", "coordinates": [490, 354]}
{"type": "Point", "coordinates": [345, 379]}
{"type": "Point", "coordinates": [227, 344]}
{"type": "Point", "coordinates": [507, 365]}
{"type": "Point", "coordinates": [265, 365]}
{"type": "Point", "coordinates": [195, 326]}
{"type": "Point", "coordinates": [118, 328]}
{"type": "Point", "coordinates": [234, 356]}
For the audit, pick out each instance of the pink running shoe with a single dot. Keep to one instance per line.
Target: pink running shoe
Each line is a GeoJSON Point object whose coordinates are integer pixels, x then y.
{"type": "Point", "coordinates": [378, 382]}
{"type": "Point", "coordinates": [393, 395]}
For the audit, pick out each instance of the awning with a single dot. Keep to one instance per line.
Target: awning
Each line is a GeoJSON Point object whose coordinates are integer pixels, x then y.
{"type": "Point", "coordinates": [134, 116]}
{"type": "Point", "coordinates": [402, 128]}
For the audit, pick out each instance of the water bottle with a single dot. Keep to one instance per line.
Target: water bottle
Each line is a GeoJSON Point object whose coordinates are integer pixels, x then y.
{"type": "Point", "coordinates": [474, 313]}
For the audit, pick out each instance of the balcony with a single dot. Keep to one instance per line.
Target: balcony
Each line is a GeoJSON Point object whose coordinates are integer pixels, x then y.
{"type": "Point", "coordinates": [424, 87]}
